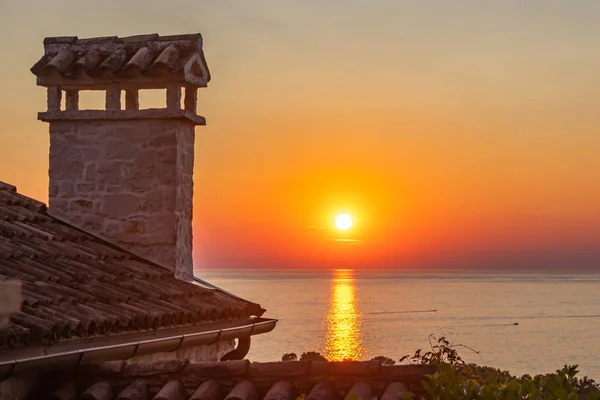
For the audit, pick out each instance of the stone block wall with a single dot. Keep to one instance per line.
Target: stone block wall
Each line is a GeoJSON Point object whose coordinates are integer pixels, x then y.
{"type": "Point", "coordinates": [129, 181]}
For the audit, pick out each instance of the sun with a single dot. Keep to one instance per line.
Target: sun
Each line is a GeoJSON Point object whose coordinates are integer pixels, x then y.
{"type": "Point", "coordinates": [343, 222]}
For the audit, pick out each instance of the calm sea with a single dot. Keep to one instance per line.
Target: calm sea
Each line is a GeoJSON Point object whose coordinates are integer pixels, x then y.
{"type": "Point", "coordinates": [362, 314]}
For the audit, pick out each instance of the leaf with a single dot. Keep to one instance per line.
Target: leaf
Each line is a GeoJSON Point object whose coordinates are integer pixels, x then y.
{"type": "Point", "coordinates": [594, 395]}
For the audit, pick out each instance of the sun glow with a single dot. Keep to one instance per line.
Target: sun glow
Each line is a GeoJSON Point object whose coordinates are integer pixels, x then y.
{"type": "Point", "coordinates": [343, 222]}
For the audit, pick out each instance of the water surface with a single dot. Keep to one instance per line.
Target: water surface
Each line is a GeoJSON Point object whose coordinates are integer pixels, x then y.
{"type": "Point", "coordinates": [347, 314]}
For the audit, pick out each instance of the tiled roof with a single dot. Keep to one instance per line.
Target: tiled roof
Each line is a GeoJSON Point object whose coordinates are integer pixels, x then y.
{"type": "Point", "coordinates": [179, 380]}
{"type": "Point", "coordinates": [123, 58]}
{"type": "Point", "coordinates": [76, 285]}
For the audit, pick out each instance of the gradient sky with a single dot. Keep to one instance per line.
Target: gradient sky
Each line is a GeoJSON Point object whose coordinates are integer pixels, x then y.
{"type": "Point", "coordinates": [457, 133]}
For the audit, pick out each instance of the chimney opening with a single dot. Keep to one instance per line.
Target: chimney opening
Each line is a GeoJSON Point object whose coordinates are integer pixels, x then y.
{"type": "Point", "coordinates": [152, 98]}
{"type": "Point", "coordinates": [91, 99]}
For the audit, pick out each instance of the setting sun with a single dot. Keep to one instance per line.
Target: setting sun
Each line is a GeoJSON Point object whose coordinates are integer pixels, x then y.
{"type": "Point", "coordinates": [343, 222]}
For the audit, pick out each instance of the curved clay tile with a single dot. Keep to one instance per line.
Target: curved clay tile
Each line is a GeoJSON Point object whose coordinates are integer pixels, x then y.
{"type": "Point", "coordinates": [361, 391]}
{"type": "Point", "coordinates": [211, 314]}
{"type": "Point", "coordinates": [208, 390]}
{"type": "Point", "coordinates": [394, 391]}
{"type": "Point", "coordinates": [173, 390]}
{"type": "Point", "coordinates": [244, 390]}
{"type": "Point", "coordinates": [55, 297]}
{"type": "Point", "coordinates": [224, 314]}
{"type": "Point", "coordinates": [75, 285]}
{"type": "Point", "coordinates": [167, 59]}
{"type": "Point", "coordinates": [140, 61]}
{"type": "Point", "coordinates": [137, 389]}
{"type": "Point", "coordinates": [126, 321]}
{"type": "Point", "coordinates": [38, 69]}
{"type": "Point", "coordinates": [60, 62]}
{"type": "Point", "coordinates": [100, 391]}
{"type": "Point", "coordinates": [282, 390]}
{"type": "Point", "coordinates": [321, 391]}
{"type": "Point", "coordinates": [16, 334]}
{"type": "Point", "coordinates": [84, 320]}
{"type": "Point", "coordinates": [113, 62]}
{"type": "Point", "coordinates": [87, 62]}
{"type": "Point", "coordinates": [41, 329]}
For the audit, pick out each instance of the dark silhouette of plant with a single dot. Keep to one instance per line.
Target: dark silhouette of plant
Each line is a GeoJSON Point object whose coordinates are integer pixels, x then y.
{"type": "Point", "coordinates": [289, 357]}
{"type": "Point", "coordinates": [456, 379]}
{"type": "Point", "coordinates": [312, 356]}
{"type": "Point", "coordinates": [384, 360]}
{"type": "Point", "coordinates": [441, 351]}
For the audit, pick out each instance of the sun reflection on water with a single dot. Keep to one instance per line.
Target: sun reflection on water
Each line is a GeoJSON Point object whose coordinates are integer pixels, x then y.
{"type": "Point", "coordinates": [344, 336]}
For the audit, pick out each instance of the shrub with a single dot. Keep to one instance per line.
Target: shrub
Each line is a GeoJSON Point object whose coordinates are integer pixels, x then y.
{"type": "Point", "coordinates": [384, 360]}
{"type": "Point", "coordinates": [289, 357]}
{"type": "Point", "coordinates": [456, 379]}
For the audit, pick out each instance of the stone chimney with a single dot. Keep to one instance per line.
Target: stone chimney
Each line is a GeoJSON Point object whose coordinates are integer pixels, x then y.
{"type": "Point", "coordinates": [123, 172]}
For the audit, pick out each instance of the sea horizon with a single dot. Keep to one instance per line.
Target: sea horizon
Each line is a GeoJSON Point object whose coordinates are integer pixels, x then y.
{"type": "Point", "coordinates": [512, 317]}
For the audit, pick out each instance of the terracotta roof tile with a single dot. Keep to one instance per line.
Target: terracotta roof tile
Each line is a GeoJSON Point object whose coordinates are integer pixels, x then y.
{"type": "Point", "coordinates": [179, 379]}
{"type": "Point", "coordinates": [76, 285]}
{"type": "Point", "coordinates": [124, 58]}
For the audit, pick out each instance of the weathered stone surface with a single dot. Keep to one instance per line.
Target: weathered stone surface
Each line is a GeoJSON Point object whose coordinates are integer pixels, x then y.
{"type": "Point", "coordinates": [54, 98]}
{"type": "Point", "coordinates": [152, 201]}
{"type": "Point", "coordinates": [146, 158]}
{"type": "Point", "coordinates": [85, 187]}
{"type": "Point", "coordinates": [81, 204]}
{"type": "Point", "coordinates": [144, 182]}
{"type": "Point", "coordinates": [120, 205]}
{"type": "Point", "coordinates": [90, 172]}
{"type": "Point", "coordinates": [59, 206]}
{"type": "Point", "coordinates": [132, 99]}
{"type": "Point", "coordinates": [136, 226]}
{"type": "Point", "coordinates": [129, 181]}
{"type": "Point", "coordinates": [117, 150]}
{"type": "Point", "coordinates": [53, 190]}
{"type": "Point", "coordinates": [66, 188]}
{"type": "Point", "coordinates": [177, 115]}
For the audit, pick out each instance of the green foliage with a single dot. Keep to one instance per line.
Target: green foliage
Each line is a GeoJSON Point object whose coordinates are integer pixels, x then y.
{"type": "Point", "coordinates": [449, 383]}
{"type": "Point", "coordinates": [457, 379]}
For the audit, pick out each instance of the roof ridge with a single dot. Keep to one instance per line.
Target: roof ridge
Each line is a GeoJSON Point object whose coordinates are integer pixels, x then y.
{"type": "Point", "coordinates": [7, 186]}
{"type": "Point", "coordinates": [15, 196]}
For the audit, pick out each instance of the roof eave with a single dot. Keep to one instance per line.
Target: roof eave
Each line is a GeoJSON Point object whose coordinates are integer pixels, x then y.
{"type": "Point", "coordinates": [136, 344]}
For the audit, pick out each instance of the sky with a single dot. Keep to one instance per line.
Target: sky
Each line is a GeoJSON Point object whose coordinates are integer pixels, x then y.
{"type": "Point", "coordinates": [457, 134]}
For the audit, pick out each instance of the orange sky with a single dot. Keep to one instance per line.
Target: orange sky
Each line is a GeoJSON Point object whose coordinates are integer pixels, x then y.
{"type": "Point", "coordinates": [457, 134]}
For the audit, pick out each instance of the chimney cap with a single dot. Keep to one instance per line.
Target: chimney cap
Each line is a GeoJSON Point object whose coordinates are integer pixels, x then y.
{"type": "Point", "coordinates": [141, 61]}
